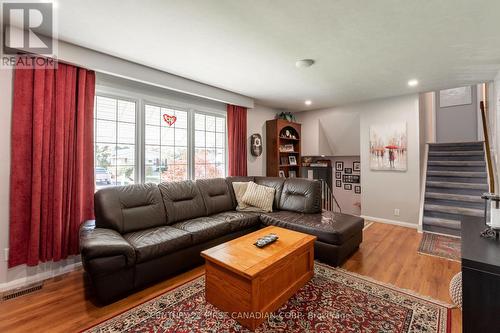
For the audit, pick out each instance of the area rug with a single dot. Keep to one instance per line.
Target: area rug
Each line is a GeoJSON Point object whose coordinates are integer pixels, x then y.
{"type": "Point", "coordinates": [333, 301]}
{"type": "Point", "coordinates": [440, 246]}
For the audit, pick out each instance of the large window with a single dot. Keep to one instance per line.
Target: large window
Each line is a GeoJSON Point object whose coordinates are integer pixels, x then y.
{"type": "Point", "coordinates": [138, 141]}
{"type": "Point", "coordinates": [115, 142]}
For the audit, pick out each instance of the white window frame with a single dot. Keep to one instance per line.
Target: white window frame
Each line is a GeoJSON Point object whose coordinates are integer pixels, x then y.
{"type": "Point", "coordinates": [140, 101]}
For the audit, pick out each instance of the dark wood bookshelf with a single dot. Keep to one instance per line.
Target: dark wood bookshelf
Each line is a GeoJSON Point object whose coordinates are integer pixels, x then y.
{"type": "Point", "coordinates": [276, 130]}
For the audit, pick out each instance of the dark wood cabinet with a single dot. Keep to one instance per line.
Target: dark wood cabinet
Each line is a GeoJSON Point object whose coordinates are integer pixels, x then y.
{"type": "Point", "coordinates": [480, 279]}
{"type": "Point", "coordinates": [282, 134]}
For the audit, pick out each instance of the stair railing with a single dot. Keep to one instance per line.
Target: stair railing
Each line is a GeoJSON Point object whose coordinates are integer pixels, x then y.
{"type": "Point", "coordinates": [489, 160]}
{"type": "Point", "coordinates": [328, 200]}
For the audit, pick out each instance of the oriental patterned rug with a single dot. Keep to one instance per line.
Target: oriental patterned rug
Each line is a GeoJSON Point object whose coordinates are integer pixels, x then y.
{"type": "Point", "coordinates": [333, 301]}
{"type": "Point", "coordinates": [440, 246]}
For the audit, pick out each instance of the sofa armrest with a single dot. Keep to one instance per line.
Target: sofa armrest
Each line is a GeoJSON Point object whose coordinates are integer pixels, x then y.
{"type": "Point", "coordinates": [101, 242]}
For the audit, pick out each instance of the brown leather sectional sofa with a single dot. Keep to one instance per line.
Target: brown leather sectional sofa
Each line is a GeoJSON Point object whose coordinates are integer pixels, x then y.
{"type": "Point", "coordinates": [146, 232]}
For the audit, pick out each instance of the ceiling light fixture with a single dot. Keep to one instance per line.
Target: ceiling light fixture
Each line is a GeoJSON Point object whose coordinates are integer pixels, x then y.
{"type": "Point", "coordinates": [304, 63]}
{"type": "Point", "coordinates": [308, 102]}
{"type": "Point", "coordinates": [413, 83]}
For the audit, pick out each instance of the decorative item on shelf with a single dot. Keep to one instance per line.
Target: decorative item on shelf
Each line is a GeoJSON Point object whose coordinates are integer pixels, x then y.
{"type": "Point", "coordinates": [286, 148]}
{"type": "Point", "coordinates": [356, 166]}
{"type": "Point", "coordinates": [292, 174]}
{"type": "Point", "coordinates": [293, 160]}
{"type": "Point", "coordinates": [266, 240]}
{"type": "Point", "coordinates": [288, 116]}
{"type": "Point", "coordinates": [284, 160]}
{"type": "Point", "coordinates": [281, 173]}
{"type": "Point", "coordinates": [348, 187]}
{"type": "Point", "coordinates": [321, 163]}
{"type": "Point", "coordinates": [339, 166]}
{"type": "Point", "coordinates": [306, 161]}
{"type": "Point", "coordinates": [338, 175]}
{"type": "Point", "coordinates": [357, 189]}
{"type": "Point", "coordinates": [256, 144]}
{"type": "Point", "coordinates": [338, 183]}
{"type": "Point", "coordinates": [348, 170]}
{"type": "Point", "coordinates": [491, 215]}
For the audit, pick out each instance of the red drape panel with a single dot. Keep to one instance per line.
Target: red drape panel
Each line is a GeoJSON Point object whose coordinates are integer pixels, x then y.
{"type": "Point", "coordinates": [52, 162]}
{"type": "Point", "coordinates": [237, 140]}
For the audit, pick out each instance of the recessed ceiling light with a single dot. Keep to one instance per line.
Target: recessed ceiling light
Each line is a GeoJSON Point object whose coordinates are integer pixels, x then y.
{"type": "Point", "coordinates": [413, 83]}
{"type": "Point", "coordinates": [304, 63]}
{"type": "Point", "coordinates": [308, 102]}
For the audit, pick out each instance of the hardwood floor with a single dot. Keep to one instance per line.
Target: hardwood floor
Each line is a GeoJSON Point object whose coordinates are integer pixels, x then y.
{"type": "Point", "coordinates": [388, 254]}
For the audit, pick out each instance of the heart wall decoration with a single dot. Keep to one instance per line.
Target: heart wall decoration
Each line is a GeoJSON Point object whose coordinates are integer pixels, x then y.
{"type": "Point", "coordinates": [170, 120]}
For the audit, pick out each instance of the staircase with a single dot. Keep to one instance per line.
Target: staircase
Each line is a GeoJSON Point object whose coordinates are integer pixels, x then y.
{"type": "Point", "coordinates": [456, 178]}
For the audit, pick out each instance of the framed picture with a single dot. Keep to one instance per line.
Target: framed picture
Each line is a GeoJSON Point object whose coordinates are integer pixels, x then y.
{"type": "Point", "coordinates": [356, 166]}
{"type": "Point", "coordinates": [455, 97]}
{"type": "Point", "coordinates": [338, 175]}
{"type": "Point", "coordinates": [292, 174]}
{"type": "Point", "coordinates": [281, 173]}
{"type": "Point", "coordinates": [338, 183]}
{"type": "Point", "coordinates": [388, 146]}
{"type": "Point", "coordinates": [348, 170]}
{"type": "Point", "coordinates": [348, 187]}
{"type": "Point", "coordinates": [283, 160]}
{"type": "Point", "coordinates": [293, 160]}
{"type": "Point", "coordinates": [339, 166]}
{"type": "Point", "coordinates": [357, 189]}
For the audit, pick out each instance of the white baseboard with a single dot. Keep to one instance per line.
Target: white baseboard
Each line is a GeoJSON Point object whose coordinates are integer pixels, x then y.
{"type": "Point", "coordinates": [39, 277]}
{"type": "Point", "coordinates": [393, 222]}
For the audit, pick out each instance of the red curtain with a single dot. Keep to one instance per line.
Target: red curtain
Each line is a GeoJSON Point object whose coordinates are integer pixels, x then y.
{"type": "Point", "coordinates": [237, 140]}
{"type": "Point", "coordinates": [52, 162]}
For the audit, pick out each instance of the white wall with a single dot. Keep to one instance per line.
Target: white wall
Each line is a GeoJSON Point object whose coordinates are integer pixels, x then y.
{"type": "Point", "coordinates": [256, 123]}
{"type": "Point", "coordinates": [347, 133]}
{"type": "Point", "coordinates": [330, 132]}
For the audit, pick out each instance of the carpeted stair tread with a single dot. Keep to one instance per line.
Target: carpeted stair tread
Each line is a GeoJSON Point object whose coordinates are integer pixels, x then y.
{"type": "Point", "coordinates": [454, 210]}
{"type": "Point", "coordinates": [470, 186]}
{"type": "Point", "coordinates": [457, 163]}
{"type": "Point", "coordinates": [443, 223]}
{"type": "Point", "coordinates": [456, 153]}
{"type": "Point", "coordinates": [471, 174]}
{"type": "Point", "coordinates": [454, 197]}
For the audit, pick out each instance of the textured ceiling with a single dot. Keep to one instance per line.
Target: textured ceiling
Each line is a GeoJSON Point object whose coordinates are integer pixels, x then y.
{"type": "Point", "coordinates": [364, 49]}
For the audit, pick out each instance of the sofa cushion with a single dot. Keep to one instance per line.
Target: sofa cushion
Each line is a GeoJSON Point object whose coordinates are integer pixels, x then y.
{"type": "Point", "coordinates": [276, 183]}
{"type": "Point", "coordinates": [203, 229]}
{"type": "Point", "coordinates": [259, 196]}
{"type": "Point", "coordinates": [240, 189]}
{"type": "Point", "coordinates": [216, 195]}
{"type": "Point", "coordinates": [301, 195]}
{"type": "Point", "coordinates": [156, 242]}
{"type": "Point", "coordinates": [182, 200]}
{"type": "Point", "coordinates": [329, 227]}
{"type": "Point", "coordinates": [238, 220]}
{"type": "Point", "coordinates": [129, 208]}
{"type": "Point", "coordinates": [240, 179]}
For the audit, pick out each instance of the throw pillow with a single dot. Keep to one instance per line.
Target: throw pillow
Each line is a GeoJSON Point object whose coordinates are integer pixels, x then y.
{"type": "Point", "coordinates": [259, 196]}
{"type": "Point", "coordinates": [239, 191]}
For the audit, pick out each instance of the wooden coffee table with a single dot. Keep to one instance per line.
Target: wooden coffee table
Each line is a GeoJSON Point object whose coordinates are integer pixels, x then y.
{"type": "Point", "coordinates": [249, 282]}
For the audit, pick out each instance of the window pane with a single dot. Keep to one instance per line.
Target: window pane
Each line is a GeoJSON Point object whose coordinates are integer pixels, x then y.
{"type": "Point", "coordinates": [152, 135]}
{"type": "Point", "coordinates": [210, 142]}
{"type": "Point", "coordinates": [221, 170]}
{"type": "Point", "coordinates": [180, 155]}
{"type": "Point", "coordinates": [152, 115]}
{"type": "Point", "coordinates": [104, 154]}
{"type": "Point", "coordinates": [220, 156]}
{"type": "Point", "coordinates": [199, 138]}
{"type": "Point", "coordinates": [174, 173]}
{"type": "Point", "coordinates": [152, 155]}
{"type": "Point", "coordinates": [199, 121]}
{"type": "Point", "coordinates": [210, 123]}
{"type": "Point", "coordinates": [220, 124]}
{"type": "Point", "coordinates": [105, 108]}
{"type": "Point", "coordinates": [199, 171]}
{"type": "Point", "coordinates": [125, 175]}
{"type": "Point", "coordinates": [220, 140]}
{"type": "Point", "coordinates": [210, 155]}
{"type": "Point", "coordinates": [152, 174]}
{"type": "Point", "coordinates": [126, 133]}
{"type": "Point", "coordinates": [126, 111]}
{"type": "Point", "coordinates": [181, 119]}
{"type": "Point", "coordinates": [199, 156]}
{"type": "Point", "coordinates": [106, 131]}
{"type": "Point", "coordinates": [168, 136]}
{"type": "Point", "coordinates": [125, 155]}
{"type": "Point", "coordinates": [167, 155]}
{"type": "Point", "coordinates": [211, 171]}
{"type": "Point", "coordinates": [180, 137]}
